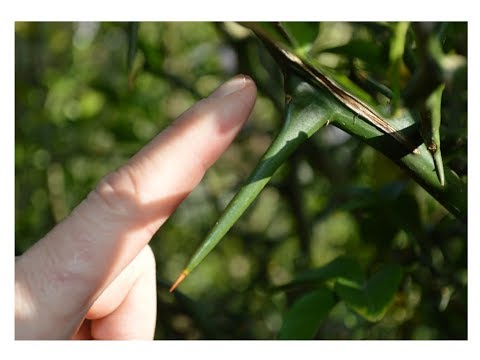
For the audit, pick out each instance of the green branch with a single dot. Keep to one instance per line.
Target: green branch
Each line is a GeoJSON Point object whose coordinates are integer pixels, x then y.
{"type": "Point", "coordinates": [312, 101]}
{"type": "Point", "coordinates": [419, 163]}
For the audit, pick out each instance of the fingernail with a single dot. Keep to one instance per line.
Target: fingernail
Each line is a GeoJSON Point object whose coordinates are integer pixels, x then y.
{"type": "Point", "coordinates": [235, 84]}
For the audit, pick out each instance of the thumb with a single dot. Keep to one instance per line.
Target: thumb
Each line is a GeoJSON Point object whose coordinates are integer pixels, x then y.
{"type": "Point", "coordinates": [58, 278]}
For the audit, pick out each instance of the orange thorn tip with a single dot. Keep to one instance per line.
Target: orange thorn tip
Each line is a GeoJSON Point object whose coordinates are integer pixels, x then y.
{"type": "Point", "coordinates": [182, 276]}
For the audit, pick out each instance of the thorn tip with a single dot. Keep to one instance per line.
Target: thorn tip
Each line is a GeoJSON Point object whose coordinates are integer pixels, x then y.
{"type": "Point", "coordinates": [177, 282]}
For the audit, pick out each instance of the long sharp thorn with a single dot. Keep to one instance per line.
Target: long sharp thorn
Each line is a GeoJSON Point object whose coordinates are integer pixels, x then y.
{"type": "Point", "coordinates": [177, 282]}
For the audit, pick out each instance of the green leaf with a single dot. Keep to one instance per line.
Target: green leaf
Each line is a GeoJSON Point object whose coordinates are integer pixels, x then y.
{"type": "Point", "coordinates": [371, 301]}
{"type": "Point", "coordinates": [306, 315]}
{"type": "Point", "coordinates": [342, 269]}
{"type": "Point", "coordinates": [365, 50]}
{"type": "Point", "coordinates": [301, 34]}
{"type": "Point", "coordinates": [386, 203]}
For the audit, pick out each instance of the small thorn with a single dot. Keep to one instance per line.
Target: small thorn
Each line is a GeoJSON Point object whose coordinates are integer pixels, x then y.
{"type": "Point", "coordinates": [182, 276]}
{"type": "Point", "coordinates": [437, 158]}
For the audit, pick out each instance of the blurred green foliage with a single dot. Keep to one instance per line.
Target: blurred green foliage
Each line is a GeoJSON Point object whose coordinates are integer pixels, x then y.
{"type": "Point", "coordinates": [81, 111]}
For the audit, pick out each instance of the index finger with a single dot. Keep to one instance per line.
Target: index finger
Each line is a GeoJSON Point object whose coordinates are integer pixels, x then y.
{"type": "Point", "coordinates": [58, 279]}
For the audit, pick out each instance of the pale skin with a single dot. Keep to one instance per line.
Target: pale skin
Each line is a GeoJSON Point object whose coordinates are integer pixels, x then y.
{"type": "Point", "coordinates": [93, 275]}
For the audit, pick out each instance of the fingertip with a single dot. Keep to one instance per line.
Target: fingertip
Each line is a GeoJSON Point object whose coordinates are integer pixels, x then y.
{"type": "Point", "coordinates": [238, 83]}
{"type": "Point", "coordinates": [250, 87]}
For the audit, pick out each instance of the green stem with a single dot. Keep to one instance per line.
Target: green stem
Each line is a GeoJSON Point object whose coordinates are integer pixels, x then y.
{"type": "Point", "coordinates": [421, 167]}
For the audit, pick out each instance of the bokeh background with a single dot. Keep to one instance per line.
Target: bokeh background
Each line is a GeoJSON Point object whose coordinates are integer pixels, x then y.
{"type": "Point", "coordinates": [81, 111]}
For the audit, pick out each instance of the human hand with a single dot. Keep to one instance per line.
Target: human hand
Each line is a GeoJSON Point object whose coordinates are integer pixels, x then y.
{"type": "Point", "coordinates": [93, 275]}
